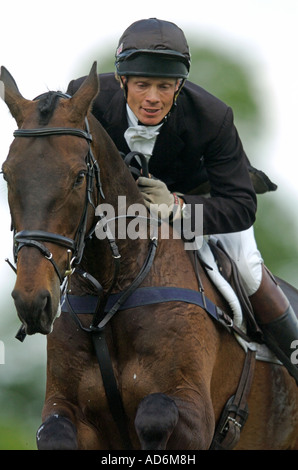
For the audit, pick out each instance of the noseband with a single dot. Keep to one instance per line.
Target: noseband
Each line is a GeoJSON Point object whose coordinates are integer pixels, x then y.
{"type": "Point", "coordinates": [35, 238]}
{"type": "Point", "coordinates": [75, 247]}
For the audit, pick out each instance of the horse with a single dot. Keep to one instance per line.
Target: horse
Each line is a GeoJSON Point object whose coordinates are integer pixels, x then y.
{"type": "Point", "coordinates": [155, 375]}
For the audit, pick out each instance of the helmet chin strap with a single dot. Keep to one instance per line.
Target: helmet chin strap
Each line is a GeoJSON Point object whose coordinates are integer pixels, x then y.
{"type": "Point", "coordinates": [181, 84]}
{"type": "Point", "coordinates": [182, 81]}
{"type": "Point", "coordinates": [124, 86]}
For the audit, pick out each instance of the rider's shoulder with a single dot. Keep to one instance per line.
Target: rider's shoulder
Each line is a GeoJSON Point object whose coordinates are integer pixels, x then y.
{"type": "Point", "coordinates": [197, 94]}
{"type": "Point", "coordinates": [108, 81]}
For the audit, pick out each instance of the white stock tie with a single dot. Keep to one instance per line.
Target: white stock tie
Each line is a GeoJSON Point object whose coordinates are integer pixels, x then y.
{"type": "Point", "coordinates": [140, 138]}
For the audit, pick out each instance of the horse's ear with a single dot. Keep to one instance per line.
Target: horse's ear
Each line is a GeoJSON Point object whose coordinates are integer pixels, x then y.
{"type": "Point", "coordinates": [81, 101]}
{"type": "Point", "coordinates": [12, 97]}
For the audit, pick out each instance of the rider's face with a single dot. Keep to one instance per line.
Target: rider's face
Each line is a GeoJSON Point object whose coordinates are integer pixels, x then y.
{"type": "Point", "coordinates": [151, 98]}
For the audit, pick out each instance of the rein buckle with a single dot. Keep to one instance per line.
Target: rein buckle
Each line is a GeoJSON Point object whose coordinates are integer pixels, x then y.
{"type": "Point", "coordinates": [69, 271]}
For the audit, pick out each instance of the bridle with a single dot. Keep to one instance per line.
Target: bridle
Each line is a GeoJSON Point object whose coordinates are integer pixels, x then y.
{"type": "Point", "coordinates": [75, 247]}
{"type": "Point", "coordinates": [36, 238]}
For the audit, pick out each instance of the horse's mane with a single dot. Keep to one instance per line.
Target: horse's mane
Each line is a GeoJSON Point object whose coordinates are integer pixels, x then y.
{"type": "Point", "coordinates": [46, 106]}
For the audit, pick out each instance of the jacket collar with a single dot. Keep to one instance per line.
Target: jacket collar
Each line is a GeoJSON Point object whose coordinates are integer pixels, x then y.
{"type": "Point", "coordinates": [116, 121]}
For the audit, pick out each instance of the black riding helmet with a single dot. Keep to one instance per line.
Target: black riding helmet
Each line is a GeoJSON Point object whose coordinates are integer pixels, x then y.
{"type": "Point", "coordinates": [153, 48]}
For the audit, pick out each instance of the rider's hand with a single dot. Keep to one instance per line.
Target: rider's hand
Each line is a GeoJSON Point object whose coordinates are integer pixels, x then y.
{"type": "Point", "coordinates": [156, 193]}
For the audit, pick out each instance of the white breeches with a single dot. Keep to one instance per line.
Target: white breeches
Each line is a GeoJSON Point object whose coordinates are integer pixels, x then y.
{"type": "Point", "coordinates": [242, 248]}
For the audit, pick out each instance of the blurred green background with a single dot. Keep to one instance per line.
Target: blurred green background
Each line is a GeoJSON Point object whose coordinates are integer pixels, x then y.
{"type": "Point", "coordinates": [230, 79]}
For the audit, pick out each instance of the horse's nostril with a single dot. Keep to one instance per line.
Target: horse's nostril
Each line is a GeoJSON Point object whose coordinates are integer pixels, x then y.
{"type": "Point", "coordinates": [15, 294]}
{"type": "Point", "coordinates": [43, 299]}
{"type": "Point", "coordinates": [32, 301]}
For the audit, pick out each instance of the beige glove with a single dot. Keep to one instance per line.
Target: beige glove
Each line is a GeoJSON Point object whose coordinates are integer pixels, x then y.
{"type": "Point", "coordinates": [156, 193]}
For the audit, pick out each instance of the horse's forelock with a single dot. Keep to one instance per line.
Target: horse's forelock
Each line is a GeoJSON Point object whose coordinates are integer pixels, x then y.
{"type": "Point", "coordinates": [47, 105]}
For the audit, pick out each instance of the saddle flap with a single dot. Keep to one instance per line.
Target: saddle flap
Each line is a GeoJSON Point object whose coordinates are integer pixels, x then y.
{"type": "Point", "coordinates": [228, 269]}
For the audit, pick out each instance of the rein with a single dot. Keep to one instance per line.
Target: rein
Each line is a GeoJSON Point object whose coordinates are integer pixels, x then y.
{"type": "Point", "coordinates": [75, 248]}
{"type": "Point", "coordinates": [235, 413]}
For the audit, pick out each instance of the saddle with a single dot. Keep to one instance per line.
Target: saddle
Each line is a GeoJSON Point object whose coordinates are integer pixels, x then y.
{"type": "Point", "coordinates": [229, 271]}
{"type": "Point", "coordinates": [235, 412]}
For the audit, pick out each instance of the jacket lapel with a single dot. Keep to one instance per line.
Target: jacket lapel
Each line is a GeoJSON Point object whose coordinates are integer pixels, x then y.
{"type": "Point", "coordinates": [168, 147]}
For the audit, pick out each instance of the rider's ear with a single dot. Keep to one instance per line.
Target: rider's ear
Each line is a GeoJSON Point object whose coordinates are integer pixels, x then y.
{"type": "Point", "coordinates": [81, 101]}
{"type": "Point", "coordinates": [123, 81]}
{"type": "Point", "coordinates": [16, 103]}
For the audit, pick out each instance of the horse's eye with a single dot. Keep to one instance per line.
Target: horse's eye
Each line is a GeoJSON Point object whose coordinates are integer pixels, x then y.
{"type": "Point", "coordinates": [80, 178]}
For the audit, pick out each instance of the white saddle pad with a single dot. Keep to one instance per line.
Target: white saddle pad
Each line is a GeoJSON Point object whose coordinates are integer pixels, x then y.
{"type": "Point", "coordinates": [263, 353]}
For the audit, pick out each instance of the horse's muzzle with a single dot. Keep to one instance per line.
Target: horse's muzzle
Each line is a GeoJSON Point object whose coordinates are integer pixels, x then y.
{"type": "Point", "coordinates": [36, 313]}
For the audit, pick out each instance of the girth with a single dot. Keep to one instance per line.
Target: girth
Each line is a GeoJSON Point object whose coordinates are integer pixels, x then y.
{"type": "Point", "coordinates": [106, 306]}
{"type": "Point", "coordinates": [141, 297]}
{"type": "Point", "coordinates": [235, 412]}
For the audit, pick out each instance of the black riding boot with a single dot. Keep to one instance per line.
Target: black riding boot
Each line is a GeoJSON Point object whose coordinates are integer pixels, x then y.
{"type": "Point", "coordinates": [281, 335]}
{"type": "Point", "coordinates": [277, 321]}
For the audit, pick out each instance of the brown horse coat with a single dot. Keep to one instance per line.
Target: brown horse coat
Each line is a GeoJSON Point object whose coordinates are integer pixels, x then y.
{"type": "Point", "coordinates": [175, 367]}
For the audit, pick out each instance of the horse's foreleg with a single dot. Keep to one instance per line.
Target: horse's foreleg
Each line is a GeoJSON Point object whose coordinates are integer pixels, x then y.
{"type": "Point", "coordinates": [57, 433]}
{"type": "Point", "coordinates": [156, 418]}
{"type": "Point", "coordinates": [184, 422]}
{"type": "Point", "coordinates": [66, 431]}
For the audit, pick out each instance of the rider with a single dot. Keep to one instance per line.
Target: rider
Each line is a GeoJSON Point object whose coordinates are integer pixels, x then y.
{"type": "Point", "coordinates": [189, 141]}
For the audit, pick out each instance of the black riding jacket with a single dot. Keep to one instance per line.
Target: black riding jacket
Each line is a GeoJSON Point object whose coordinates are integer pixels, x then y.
{"type": "Point", "coordinates": [198, 150]}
